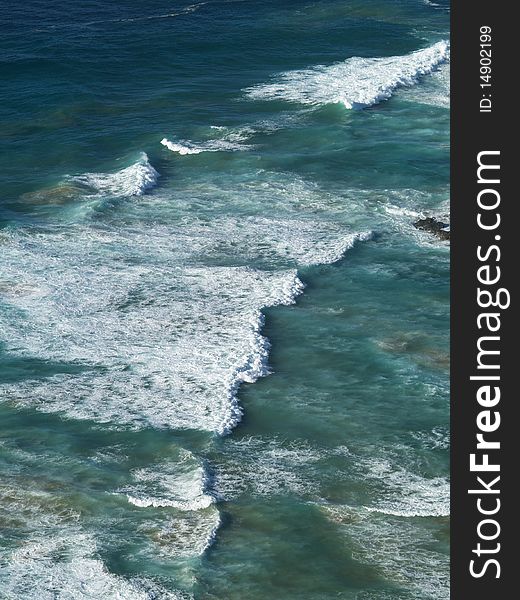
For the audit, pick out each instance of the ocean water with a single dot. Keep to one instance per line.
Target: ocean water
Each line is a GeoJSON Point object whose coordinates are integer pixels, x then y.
{"type": "Point", "coordinates": [223, 345]}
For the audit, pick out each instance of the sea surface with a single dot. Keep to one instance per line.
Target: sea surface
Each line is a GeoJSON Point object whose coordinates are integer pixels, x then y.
{"type": "Point", "coordinates": [223, 344]}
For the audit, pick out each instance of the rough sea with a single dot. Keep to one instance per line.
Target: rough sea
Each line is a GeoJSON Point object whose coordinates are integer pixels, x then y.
{"type": "Point", "coordinates": [224, 346]}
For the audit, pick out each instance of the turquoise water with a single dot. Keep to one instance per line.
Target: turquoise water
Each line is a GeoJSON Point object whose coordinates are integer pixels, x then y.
{"type": "Point", "coordinates": [224, 346]}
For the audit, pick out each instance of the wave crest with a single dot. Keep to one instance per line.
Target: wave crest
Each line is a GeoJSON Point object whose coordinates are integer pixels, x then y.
{"type": "Point", "coordinates": [134, 180]}
{"type": "Point", "coordinates": [357, 82]}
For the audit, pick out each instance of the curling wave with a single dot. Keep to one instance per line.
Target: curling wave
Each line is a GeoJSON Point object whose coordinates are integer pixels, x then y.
{"type": "Point", "coordinates": [134, 180]}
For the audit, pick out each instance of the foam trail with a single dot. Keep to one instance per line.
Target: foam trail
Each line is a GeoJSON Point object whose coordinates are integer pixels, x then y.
{"type": "Point", "coordinates": [357, 82]}
{"type": "Point", "coordinates": [185, 147]}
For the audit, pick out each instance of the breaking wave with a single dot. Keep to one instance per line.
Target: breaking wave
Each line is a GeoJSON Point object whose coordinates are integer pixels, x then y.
{"type": "Point", "coordinates": [357, 82]}
{"type": "Point", "coordinates": [134, 180]}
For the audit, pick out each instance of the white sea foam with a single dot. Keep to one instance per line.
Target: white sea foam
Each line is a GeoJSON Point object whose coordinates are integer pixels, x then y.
{"type": "Point", "coordinates": [356, 82]}
{"type": "Point", "coordinates": [435, 91]}
{"type": "Point", "coordinates": [187, 535]}
{"type": "Point", "coordinates": [53, 554]}
{"type": "Point", "coordinates": [436, 5]}
{"type": "Point", "coordinates": [404, 553]}
{"type": "Point", "coordinates": [82, 194]}
{"type": "Point", "coordinates": [196, 504]}
{"type": "Point", "coordinates": [182, 485]}
{"type": "Point", "coordinates": [44, 519]}
{"type": "Point", "coordinates": [162, 346]}
{"type": "Point", "coordinates": [134, 180]}
{"type": "Point", "coordinates": [436, 439]}
{"type": "Point", "coordinates": [266, 467]}
{"type": "Point", "coordinates": [299, 241]}
{"type": "Point", "coordinates": [407, 494]}
{"type": "Point", "coordinates": [221, 138]}
{"type": "Point", "coordinates": [66, 565]}
{"type": "Point", "coordinates": [186, 147]}
{"type": "Point", "coordinates": [158, 333]}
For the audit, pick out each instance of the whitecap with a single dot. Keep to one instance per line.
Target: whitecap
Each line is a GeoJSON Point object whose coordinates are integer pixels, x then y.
{"type": "Point", "coordinates": [355, 83]}
{"type": "Point", "coordinates": [134, 180]}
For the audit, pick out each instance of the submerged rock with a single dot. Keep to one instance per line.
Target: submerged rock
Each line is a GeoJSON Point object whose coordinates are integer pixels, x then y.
{"type": "Point", "coordinates": [434, 226]}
